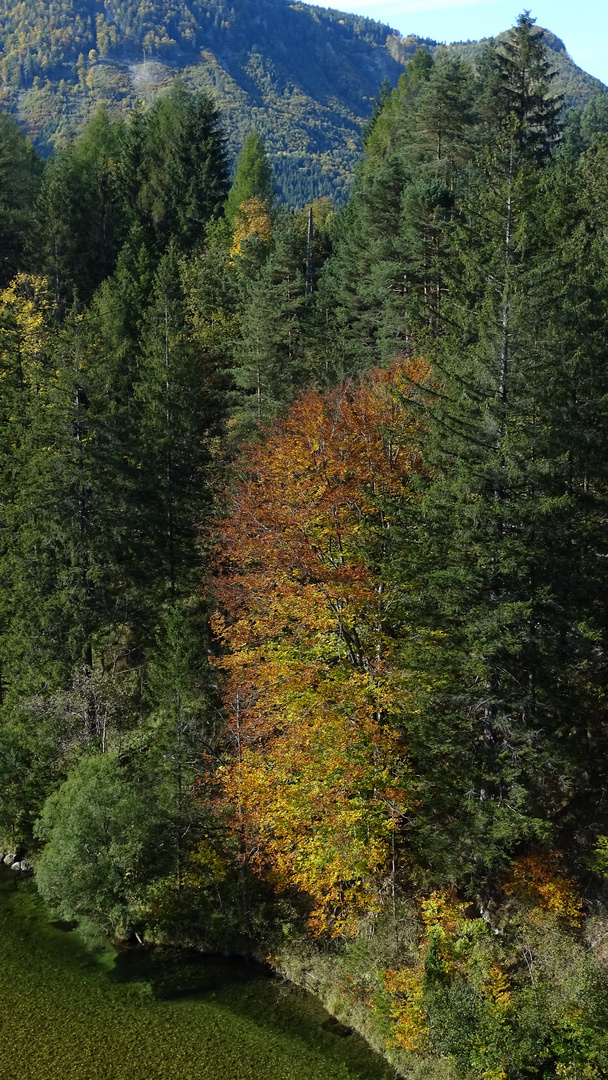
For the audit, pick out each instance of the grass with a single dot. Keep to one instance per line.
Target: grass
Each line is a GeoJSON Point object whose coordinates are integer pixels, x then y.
{"type": "Point", "coordinates": [69, 1013]}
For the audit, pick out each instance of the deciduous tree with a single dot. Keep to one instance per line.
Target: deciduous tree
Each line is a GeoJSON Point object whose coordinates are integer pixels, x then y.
{"type": "Point", "coordinates": [317, 773]}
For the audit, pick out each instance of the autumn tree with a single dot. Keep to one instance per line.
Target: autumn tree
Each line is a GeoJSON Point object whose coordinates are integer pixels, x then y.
{"type": "Point", "coordinates": [316, 774]}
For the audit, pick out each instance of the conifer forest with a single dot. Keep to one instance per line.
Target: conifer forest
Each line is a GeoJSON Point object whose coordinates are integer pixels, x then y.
{"type": "Point", "coordinates": [304, 555]}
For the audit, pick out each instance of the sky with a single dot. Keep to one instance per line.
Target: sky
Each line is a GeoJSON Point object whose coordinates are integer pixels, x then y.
{"type": "Point", "coordinates": [582, 25]}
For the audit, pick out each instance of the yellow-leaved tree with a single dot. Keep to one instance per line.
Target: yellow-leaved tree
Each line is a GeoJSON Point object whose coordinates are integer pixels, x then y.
{"type": "Point", "coordinates": [317, 773]}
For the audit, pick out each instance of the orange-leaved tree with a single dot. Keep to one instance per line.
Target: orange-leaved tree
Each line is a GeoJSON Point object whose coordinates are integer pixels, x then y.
{"type": "Point", "coordinates": [317, 775]}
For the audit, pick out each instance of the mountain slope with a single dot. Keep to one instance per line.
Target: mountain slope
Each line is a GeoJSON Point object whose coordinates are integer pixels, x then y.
{"type": "Point", "coordinates": [575, 85]}
{"type": "Point", "coordinates": [306, 77]}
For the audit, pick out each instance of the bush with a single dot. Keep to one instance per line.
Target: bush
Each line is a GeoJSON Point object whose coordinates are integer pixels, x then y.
{"type": "Point", "coordinates": [105, 843]}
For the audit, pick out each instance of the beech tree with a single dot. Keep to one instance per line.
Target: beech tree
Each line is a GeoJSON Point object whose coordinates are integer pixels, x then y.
{"type": "Point", "coordinates": [317, 776]}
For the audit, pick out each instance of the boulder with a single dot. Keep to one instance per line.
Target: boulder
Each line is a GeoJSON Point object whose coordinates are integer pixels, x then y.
{"type": "Point", "coordinates": [9, 859]}
{"type": "Point", "coordinates": [25, 866]}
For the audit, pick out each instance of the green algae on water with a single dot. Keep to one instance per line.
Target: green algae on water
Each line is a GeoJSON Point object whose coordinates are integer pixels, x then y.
{"type": "Point", "coordinates": [68, 1012]}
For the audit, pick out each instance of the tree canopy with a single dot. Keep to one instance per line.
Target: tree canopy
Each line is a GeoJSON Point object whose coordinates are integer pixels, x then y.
{"type": "Point", "coordinates": [303, 624]}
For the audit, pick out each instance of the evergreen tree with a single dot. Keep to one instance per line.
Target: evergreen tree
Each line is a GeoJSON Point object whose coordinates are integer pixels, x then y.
{"type": "Point", "coordinates": [181, 170]}
{"type": "Point", "coordinates": [70, 555]}
{"type": "Point", "coordinates": [20, 173]}
{"type": "Point", "coordinates": [523, 90]}
{"type": "Point", "coordinates": [175, 402]}
{"type": "Point", "coordinates": [81, 214]}
{"type": "Point", "coordinates": [499, 522]}
{"type": "Point", "coordinates": [182, 728]}
{"type": "Point", "coordinates": [384, 282]}
{"type": "Point", "coordinates": [253, 176]}
{"type": "Point", "coordinates": [269, 355]}
{"type": "Point", "coordinates": [594, 119]}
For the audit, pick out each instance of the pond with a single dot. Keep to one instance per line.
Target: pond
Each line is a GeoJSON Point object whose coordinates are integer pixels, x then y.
{"type": "Point", "coordinates": [71, 1013]}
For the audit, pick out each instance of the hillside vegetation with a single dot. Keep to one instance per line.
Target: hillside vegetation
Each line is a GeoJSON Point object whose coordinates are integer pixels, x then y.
{"type": "Point", "coordinates": [305, 77]}
{"type": "Point", "coordinates": [303, 556]}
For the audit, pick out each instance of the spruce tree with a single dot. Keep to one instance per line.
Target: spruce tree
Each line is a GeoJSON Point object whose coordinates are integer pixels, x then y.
{"type": "Point", "coordinates": [175, 417]}
{"type": "Point", "coordinates": [182, 172]}
{"type": "Point", "coordinates": [81, 214]}
{"type": "Point", "coordinates": [58, 560]}
{"type": "Point", "coordinates": [384, 281]}
{"type": "Point", "coordinates": [20, 175]}
{"type": "Point", "coordinates": [269, 354]}
{"type": "Point", "coordinates": [253, 176]}
{"type": "Point", "coordinates": [498, 524]}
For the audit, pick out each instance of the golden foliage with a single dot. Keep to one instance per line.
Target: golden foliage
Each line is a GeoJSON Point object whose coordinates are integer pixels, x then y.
{"type": "Point", "coordinates": [25, 310]}
{"type": "Point", "coordinates": [536, 881]}
{"type": "Point", "coordinates": [406, 986]}
{"type": "Point", "coordinates": [497, 989]}
{"type": "Point", "coordinates": [442, 910]}
{"type": "Point", "coordinates": [317, 776]}
{"type": "Point", "coordinates": [253, 221]}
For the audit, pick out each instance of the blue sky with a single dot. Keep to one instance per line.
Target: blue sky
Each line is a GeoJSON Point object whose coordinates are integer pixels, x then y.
{"type": "Point", "coordinates": [582, 24]}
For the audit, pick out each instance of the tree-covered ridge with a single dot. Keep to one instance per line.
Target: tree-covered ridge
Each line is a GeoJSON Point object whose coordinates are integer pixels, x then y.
{"type": "Point", "coordinates": [305, 77]}
{"type": "Point", "coordinates": [574, 85]}
{"type": "Point", "coordinates": [303, 625]}
{"type": "Point", "coordinates": [125, 29]}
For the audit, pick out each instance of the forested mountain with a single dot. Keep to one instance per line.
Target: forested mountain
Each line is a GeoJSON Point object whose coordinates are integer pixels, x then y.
{"type": "Point", "coordinates": [303, 556]}
{"type": "Point", "coordinates": [305, 77]}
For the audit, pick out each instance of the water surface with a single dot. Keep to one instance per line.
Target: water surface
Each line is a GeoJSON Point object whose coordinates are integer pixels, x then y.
{"type": "Point", "coordinates": [68, 1013]}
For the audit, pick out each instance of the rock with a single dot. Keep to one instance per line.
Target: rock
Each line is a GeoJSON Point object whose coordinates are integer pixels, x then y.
{"type": "Point", "coordinates": [9, 859]}
{"type": "Point", "coordinates": [16, 866]}
{"type": "Point", "coordinates": [25, 866]}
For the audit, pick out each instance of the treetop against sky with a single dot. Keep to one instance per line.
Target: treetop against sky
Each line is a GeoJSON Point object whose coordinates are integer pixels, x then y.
{"type": "Point", "coordinates": [583, 26]}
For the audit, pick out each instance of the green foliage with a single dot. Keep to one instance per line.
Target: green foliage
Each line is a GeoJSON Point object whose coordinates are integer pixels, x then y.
{"type": "Point", "coordinates": [80, 211]}
{"type": "Point", "coordinates": [253, 176]}
{"type": "Point", "coordinates": [20, 171]}
{"type": "Point", "coordinates": [599, 859]}
{"type": "Point", "coordinates": [105, 839]}
{"type": "Point", "coordinates": [305, 78]}
{"type": "Point", "coordinates": [269, 356]}
{"type": "Point", "coordinates": [14, 766]}
{"type": "Point", "coordinates": [158, 180]}
{"type": "Point", "coordinates": [181, 170]}
{"type": "Point", "coordinates": [472, 259]}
